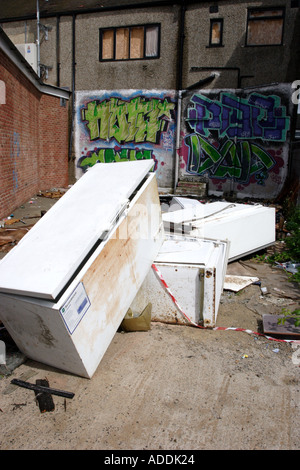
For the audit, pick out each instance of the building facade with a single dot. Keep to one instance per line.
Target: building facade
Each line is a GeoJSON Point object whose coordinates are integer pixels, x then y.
{"type": "Point", "coordinates": [247, 43]}
{"type": "Point", "coordinates": [142, 74]}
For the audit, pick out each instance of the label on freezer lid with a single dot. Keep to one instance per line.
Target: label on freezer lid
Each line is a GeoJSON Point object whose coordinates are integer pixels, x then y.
{"type": "Point", "coordinates": [75, 308]}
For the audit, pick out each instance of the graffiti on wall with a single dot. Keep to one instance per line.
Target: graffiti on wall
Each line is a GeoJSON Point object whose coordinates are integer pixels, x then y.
{"type": "Point", "coordinates": [231, 136]}
{"type": "Point", "coordinates": [126, 128]}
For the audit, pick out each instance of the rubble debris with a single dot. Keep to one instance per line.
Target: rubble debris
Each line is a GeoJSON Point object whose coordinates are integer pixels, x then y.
{"type": "Point", "coordinates": [10, 221]}
{"type": "Point", "coordinates": [190, 186]}
{"type": "Point", "coordinates": [13, 360]}
{"type": "Point", "coordinates": [11, 236]}
{"type": "Point", "coordinates": [11, 356]}
{"type": "Point", "coordinates": [55, 194]}
{"type": "Point", "coordinates": [264, 290]}
{"type": "Point", "coordinates": [290, 266]}
{"type": "Point", "coordinates": [236, 283]}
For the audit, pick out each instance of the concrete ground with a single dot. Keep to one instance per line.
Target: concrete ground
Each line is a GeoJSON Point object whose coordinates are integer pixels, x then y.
{"type": "Point", "coordinates": [172, 388]}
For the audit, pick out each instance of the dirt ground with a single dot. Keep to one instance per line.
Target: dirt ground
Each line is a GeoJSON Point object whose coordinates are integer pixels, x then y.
{"type": "Point", "coordinates": [172, 388]}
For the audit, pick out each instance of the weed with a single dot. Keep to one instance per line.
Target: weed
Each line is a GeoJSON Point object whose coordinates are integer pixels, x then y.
{"type": "Point", "coordinates": [291, 250]}
{"type": "Point", "coordinates": [295, 314]}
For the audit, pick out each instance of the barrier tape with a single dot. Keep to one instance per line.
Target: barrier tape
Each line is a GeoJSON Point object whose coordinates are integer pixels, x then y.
{"type": "Point", "coordinates": [223, 328]}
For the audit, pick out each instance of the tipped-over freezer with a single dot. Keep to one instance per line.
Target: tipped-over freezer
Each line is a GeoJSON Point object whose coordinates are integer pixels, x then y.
{"type": "Point", "coordinates": [193, 272]}
{"type": "Point", "coordinates": [248, 227]}
{"type": "Point", "coordinates": [67, 285]}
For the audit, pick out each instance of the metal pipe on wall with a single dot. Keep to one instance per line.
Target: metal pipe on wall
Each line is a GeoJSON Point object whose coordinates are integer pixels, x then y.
{"type": "Point", "coordinates": [57, 51]}
{"type": "Point", "coordinates": [38, 36]}
{"type": "Point", "coordinates": [179, 91]}
{"type": "Point", "coordinates": [73, 83]}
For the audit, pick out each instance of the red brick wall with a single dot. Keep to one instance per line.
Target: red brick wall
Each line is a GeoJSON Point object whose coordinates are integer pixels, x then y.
{"type": "Point", "coordinates": [33, 140]}
{"type": "Point", "coordinates": [53, 163]}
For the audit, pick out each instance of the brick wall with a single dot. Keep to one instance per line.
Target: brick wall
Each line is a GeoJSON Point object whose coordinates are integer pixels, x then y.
{"type": "Point", "coordinates": [33, 139]}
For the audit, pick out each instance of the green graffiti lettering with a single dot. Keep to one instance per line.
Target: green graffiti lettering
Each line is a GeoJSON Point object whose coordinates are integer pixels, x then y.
{"type": "Point", "coordinates": [233, 167]}
{"type": "Point", "coordinates": [97, 116]}
{"type": "Point", "coordinates": [109, 155]}
{"type": "Point", "coordinates": [136, 110]}
{"type": "Point", "coordinates": [137, 120]}
{"type": "Point", "coordinates": [118, 125]}
{"type": "Point", "coordinates": [263, 156]}
{"type": "Point", "coordinates": [235, 160]}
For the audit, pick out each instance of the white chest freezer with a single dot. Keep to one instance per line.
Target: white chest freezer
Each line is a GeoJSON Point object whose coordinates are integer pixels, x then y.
{"type": "Point", "coordinates": [248, 228]}
{"type": "Point", "coordinates": [193, 271]}
{"type": "Point", "coordinates": [65, 288]}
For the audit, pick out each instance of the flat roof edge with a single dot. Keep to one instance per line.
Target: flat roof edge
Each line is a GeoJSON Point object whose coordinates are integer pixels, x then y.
{"type": "Point", "coordinates": [9, 49]}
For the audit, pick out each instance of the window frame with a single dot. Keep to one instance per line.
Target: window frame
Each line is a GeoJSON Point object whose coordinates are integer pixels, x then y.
{"type": "Point", "coordinates": [129, 27]}
{"type": "Point", "coordinates": [212, 21]}
{"type": "Point", "coordinates": [263, 18]}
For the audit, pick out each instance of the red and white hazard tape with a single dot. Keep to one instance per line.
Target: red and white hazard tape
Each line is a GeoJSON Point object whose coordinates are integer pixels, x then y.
{"type": "Point", "coordinates": [167, 289]}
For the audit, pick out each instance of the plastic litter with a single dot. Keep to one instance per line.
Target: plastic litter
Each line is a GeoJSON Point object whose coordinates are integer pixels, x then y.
{"type": "Point", "coordinates": [289, 266]}
{"type": "Point", "coordinates": [137, 322]}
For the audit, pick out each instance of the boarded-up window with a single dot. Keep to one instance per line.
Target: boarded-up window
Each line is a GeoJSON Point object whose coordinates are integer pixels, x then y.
{"type": "Point", "coordinates": [136, 43]}
{"type": "Point", "coordinates": [265, 27]}
{"type": "Point", "coordinates": [216, 32]}
{"type": "Point", "coordinates": [122, 43]}
{"type": "Point", "coordinates": [132, 42]}
{"type": "Point", "coordinates": [108, 44]}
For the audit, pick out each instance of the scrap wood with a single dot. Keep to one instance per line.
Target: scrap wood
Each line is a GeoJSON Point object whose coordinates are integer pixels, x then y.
{"type": "Point", "coordinates": [42, 388]}
{"type": "Point", "coordinates": [273, 327]}
{"type": "Point", "coordinates": [5, 239]}
{"type": "Point", "coordinates": [51, 194]}
{"type": "Point", "coordinates": [11, 221]}
{"type": "Point", "coordinates": [44, 399]}
{"type": "Point", "coordinates": [34, 216]}
{"type": "Point", "coordinates": [11, 236]}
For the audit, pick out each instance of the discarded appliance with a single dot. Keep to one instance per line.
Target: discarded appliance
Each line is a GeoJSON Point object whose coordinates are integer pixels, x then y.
{"type": "Point", "coordinates": [249, 228]}
{"type": "Point", "coordinates": [194, 271]}
{"type": "Point", "coordinates": [67, 285]}
{"type": "Point", "coordinates": [178, 203]}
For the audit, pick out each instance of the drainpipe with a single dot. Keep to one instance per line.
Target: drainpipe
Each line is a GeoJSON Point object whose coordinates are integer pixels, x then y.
{"type": "Point", "coordinates": [181, 44]}
{"type": "Point", "coordinates": [177, 140]}
{"type": "Point", "coordinates": [73, 86]}
{"type": "Point", "coordinates": [38, 36]}
{"type": "Point", "coordinates": [57, 51]}
{"type": "Point", "coordinates": [179, 88]}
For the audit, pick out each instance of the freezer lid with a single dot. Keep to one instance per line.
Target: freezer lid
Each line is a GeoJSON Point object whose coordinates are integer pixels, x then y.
{"type": "Point", "coordinates": [208, 212]}
{"type": "Point", "coordinates": [49, 254]}
{"type": "Point", "coordinates": [192, 251]}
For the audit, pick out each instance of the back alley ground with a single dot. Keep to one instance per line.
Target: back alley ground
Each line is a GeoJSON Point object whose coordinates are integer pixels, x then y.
{"type": "Point", "coordinates": [172, 387]}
